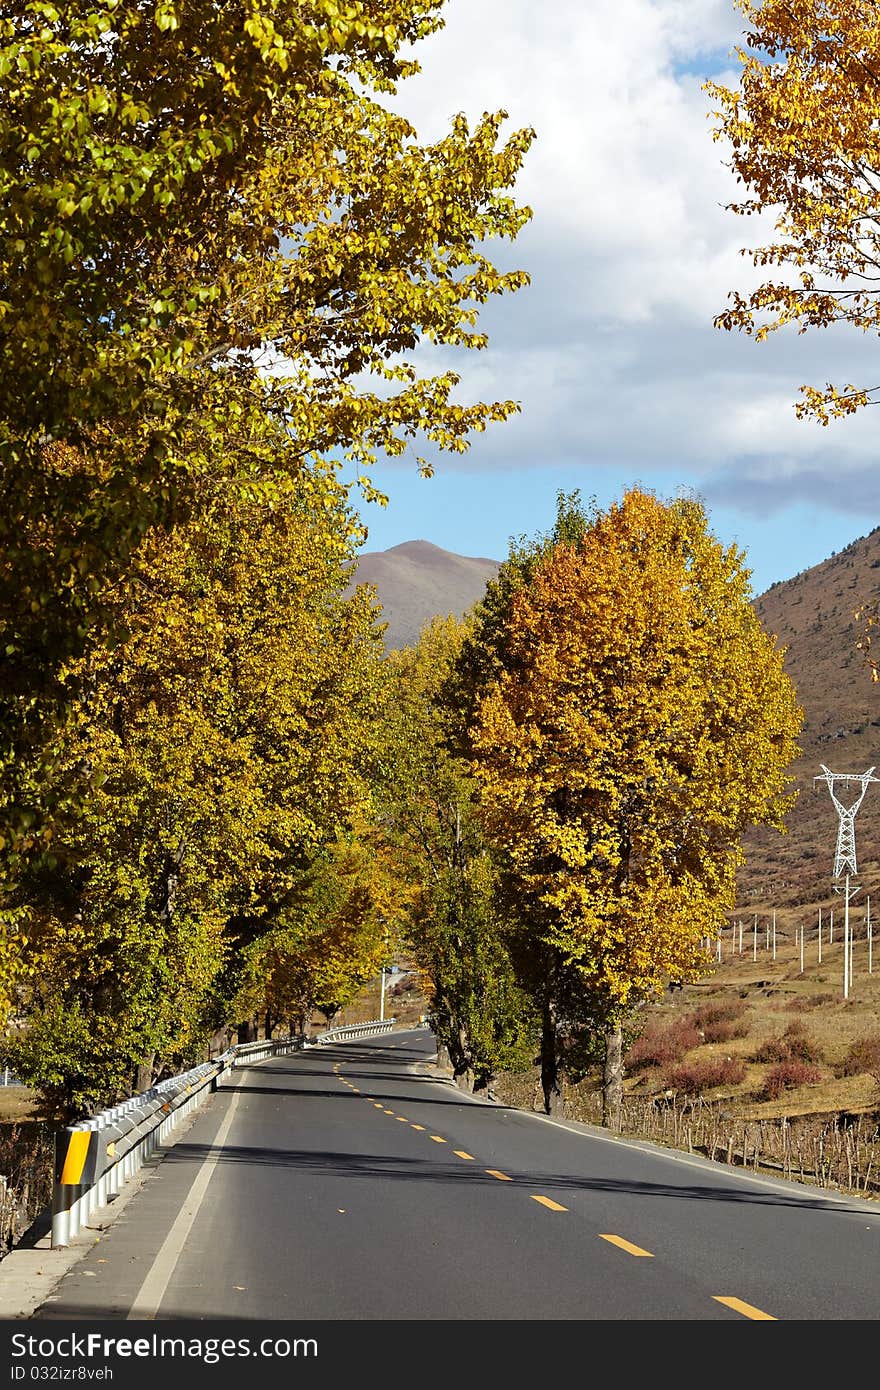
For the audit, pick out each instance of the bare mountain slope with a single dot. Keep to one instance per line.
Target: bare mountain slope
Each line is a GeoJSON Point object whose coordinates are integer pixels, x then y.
{"type": "Point", "coordinates": [416, 581]}
{"type": "Point", "coordinates": [813, 616]}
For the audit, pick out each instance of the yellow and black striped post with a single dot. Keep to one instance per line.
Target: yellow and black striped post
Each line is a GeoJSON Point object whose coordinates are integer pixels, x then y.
{"type": "Point", "coordinates": [76, 1159]}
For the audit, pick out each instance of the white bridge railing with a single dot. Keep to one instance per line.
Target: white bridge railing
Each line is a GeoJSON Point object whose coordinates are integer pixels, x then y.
{"type": "Point", "coordinates": [95, 1158]}
{"type": "Point", "coordinates": [356, 1030]}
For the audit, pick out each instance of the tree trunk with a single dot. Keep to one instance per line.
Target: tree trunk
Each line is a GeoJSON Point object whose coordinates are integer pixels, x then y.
{"type": "Point", "coordinates": [462, 1062]}
{"type": "Point", "coordinates": [144, 1075]}
{"type": "Point", "coordinates": [612, 1089]}
{"type": "Point", "coordinates": [550, 1062]}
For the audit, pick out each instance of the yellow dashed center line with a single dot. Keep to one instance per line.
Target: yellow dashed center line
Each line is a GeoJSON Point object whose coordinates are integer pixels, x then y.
{"type": "Point", "coordinates": [627, 1246]}
{"type": "Point", "coordinates": [548, 1202]}
{"type": "Point", "coordinates": [736, 1304]}
{"type": "Point", "coordinates": [747, 1310]}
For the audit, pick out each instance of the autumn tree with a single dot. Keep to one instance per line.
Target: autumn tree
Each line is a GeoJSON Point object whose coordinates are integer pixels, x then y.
{"type": "Point", "coordinates": [191, 193]}
{"type": "Point", "coordinates": [220, 749]}
{"type": "Point", "coordinates": [804, 131]}
{"type": "Point", "coordinates": [325, 942]}
{"type": "Point", "coordinates": [449, 914]}
{"type": "Point", "coordinates": [564, 1010]}
{"type": "Point", "coordinates": [641, 723]}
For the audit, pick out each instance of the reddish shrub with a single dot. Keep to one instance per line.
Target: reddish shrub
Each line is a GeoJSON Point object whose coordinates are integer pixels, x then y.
{"type": "Point", "coordinates": [803, 1005]}
{"type": "Point", "coordinates": [707, 1015]}
{"type": "Point", "coordinates": [863, 1058]}
{"type": "Point", "coordinates": [661, 1047]}
{"type": "Point", "coordinates": [772, 1050]}
{"type": "Point", "coordinates": [801, 1047]}
{"type": "Point", "coordinates": [694, 1077]}
{"type": "Point", "coordinates": [796, 1026]}
{"type": "Point", "coordinates": [794, 1045]}
{"type": "Point", "coordinates": [720, 1022]}
{"type": "Point", "coordinates": [723, 1032]}
{"type": "Point", "coordinates": [785, 1076]}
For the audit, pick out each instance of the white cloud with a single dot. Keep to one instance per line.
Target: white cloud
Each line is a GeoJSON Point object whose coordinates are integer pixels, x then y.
{"type": "Point", "coordinates": [612, 350]}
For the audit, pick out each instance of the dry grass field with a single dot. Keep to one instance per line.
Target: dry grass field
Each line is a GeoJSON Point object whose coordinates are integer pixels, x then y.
{"type": "Point", "coordinates": [776, 995]}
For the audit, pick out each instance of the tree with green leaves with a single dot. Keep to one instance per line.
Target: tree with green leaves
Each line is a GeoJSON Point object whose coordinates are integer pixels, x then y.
{"type": "Point", "coordinates": [326, 941]}
{"type": "Point", "coordinates": [449, 913]}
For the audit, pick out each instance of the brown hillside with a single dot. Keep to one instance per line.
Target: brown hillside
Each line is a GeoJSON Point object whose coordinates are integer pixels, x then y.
{"type": "Point", "coordinates": [416, 581]}
{"type": "Point", "coordinates": [813, 616]}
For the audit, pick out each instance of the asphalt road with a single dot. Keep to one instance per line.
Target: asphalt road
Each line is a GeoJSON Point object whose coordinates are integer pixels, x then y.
{"type": "Point", "coordinates": [348, 1183]}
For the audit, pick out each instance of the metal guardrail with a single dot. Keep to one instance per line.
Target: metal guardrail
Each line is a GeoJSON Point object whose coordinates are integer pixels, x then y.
{"type": "Point", "coordinates": [94, 1158]}
{"type": "Point", "coordinates": [356, 1030]}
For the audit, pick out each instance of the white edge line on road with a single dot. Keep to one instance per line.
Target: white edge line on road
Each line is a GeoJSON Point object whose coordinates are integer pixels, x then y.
{"type": "Point", "coordinates": [152, 1290]}
{"type": "Point", "coordinates": [585, 1131]}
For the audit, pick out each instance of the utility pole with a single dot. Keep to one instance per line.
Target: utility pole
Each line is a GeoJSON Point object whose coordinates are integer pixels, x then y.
{"type": "Point", "coordinates": [820, 936]}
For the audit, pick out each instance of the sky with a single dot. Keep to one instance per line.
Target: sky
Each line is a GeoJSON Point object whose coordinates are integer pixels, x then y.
{"type": "Point", "coordinates": [611, 350]}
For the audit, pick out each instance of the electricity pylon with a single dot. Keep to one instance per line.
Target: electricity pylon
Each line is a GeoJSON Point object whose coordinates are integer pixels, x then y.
{"type": "Point", "coordinates": [845, 854]}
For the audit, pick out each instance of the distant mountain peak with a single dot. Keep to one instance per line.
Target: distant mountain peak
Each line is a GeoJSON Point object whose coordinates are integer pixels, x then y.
{"type": "Point", "coordinates": [417, 580]}
{"type": "Point", "coordinates": [426, 552]}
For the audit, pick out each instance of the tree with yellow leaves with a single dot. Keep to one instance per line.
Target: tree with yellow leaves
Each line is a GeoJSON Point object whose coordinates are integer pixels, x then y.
{"type": "Point", "coordinates": [214, 233]}
{"type": "Point", "coordinates": [219, 751]}
{"type": "Point", "coordinates": [804, 129]}
{"type": "Point", "coordinates": [327, 940]}
{"type": "Point", "coordinates": [641, 721]}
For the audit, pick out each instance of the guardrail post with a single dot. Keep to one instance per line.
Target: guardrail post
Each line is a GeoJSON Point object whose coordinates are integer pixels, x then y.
{"type": "Point", "coordinates": [82, 1150]}
{"type": "Point", "coordinates": [61, 1199]}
